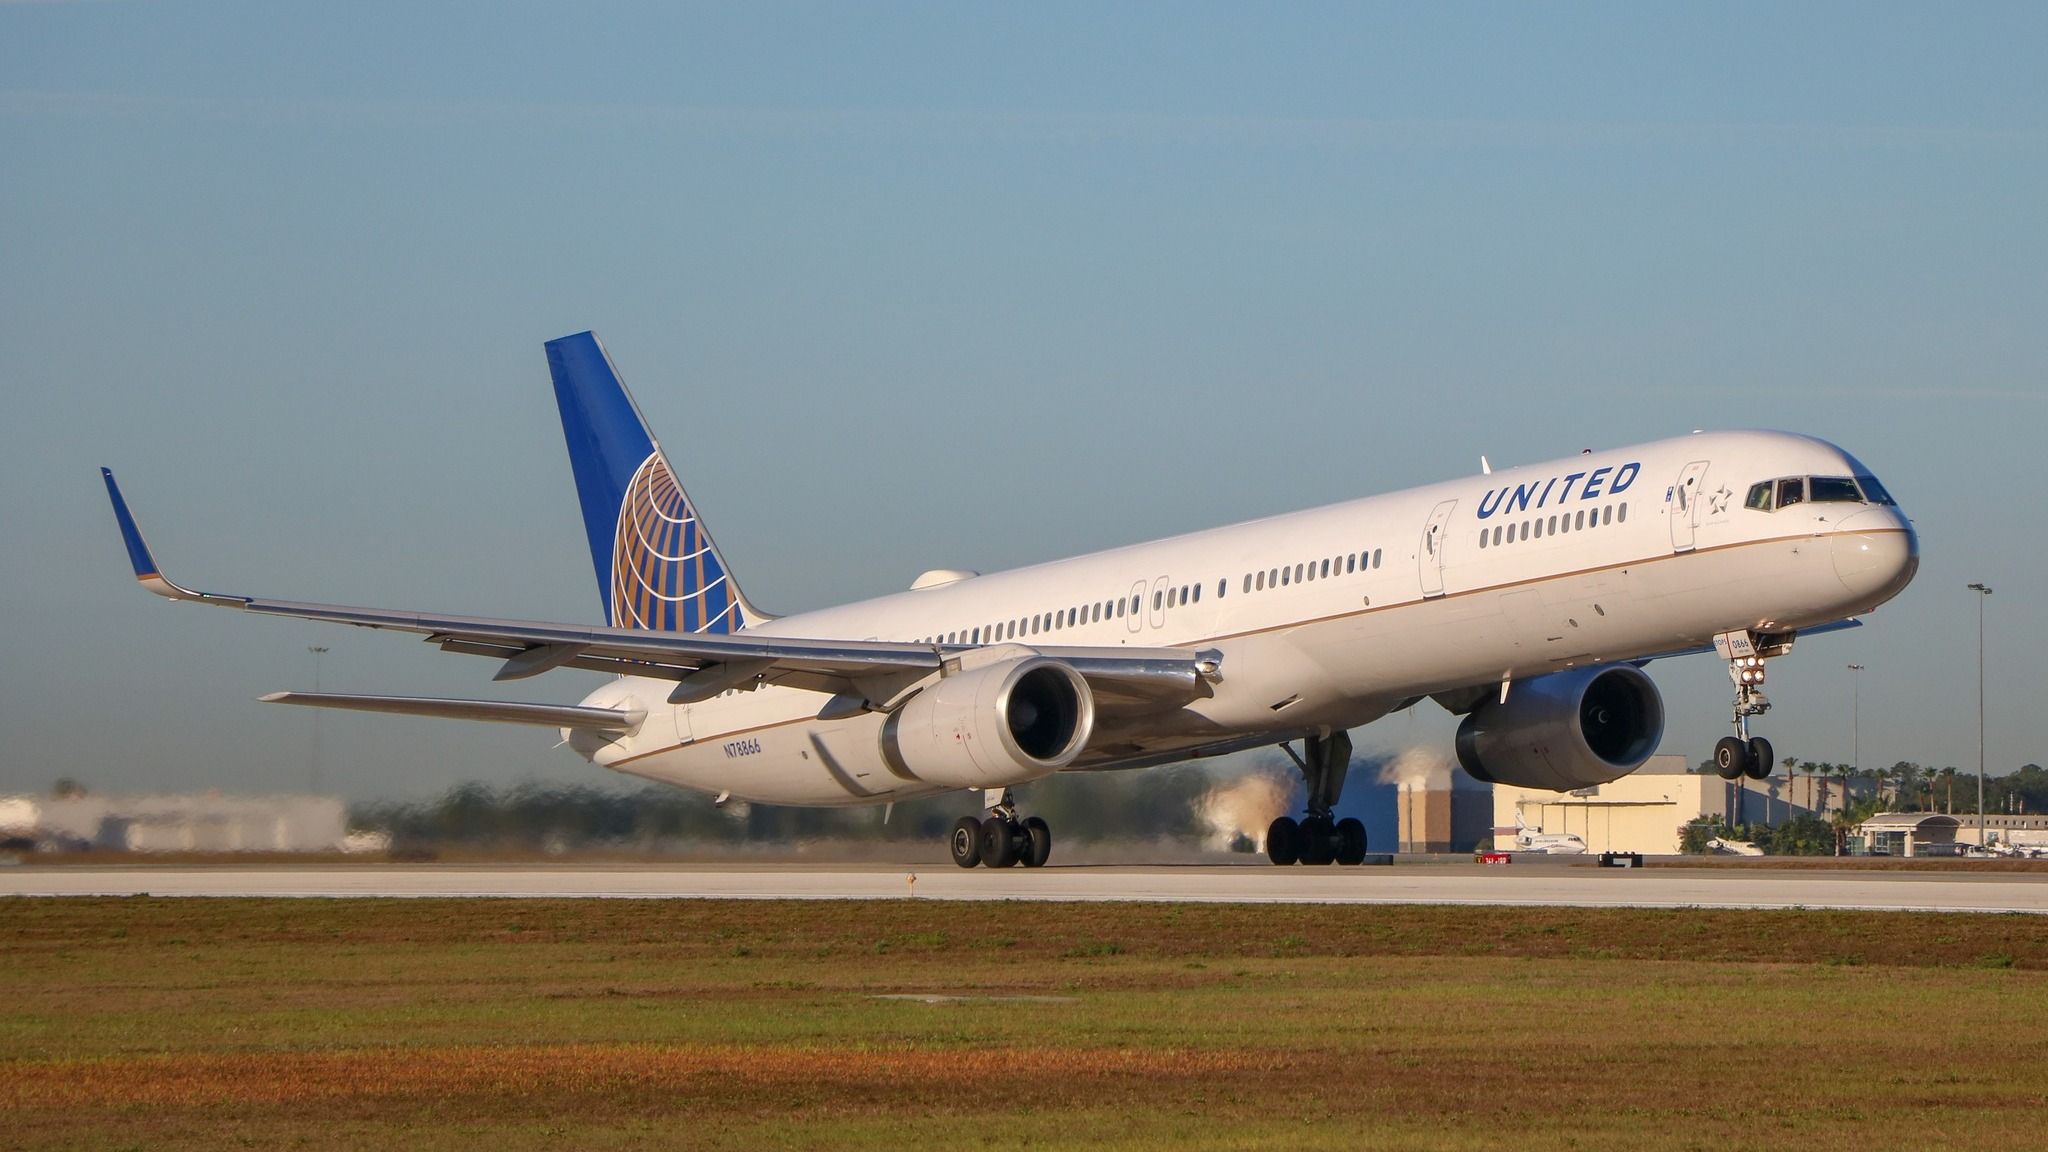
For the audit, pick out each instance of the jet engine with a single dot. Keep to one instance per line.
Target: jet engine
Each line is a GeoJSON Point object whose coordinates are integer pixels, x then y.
{"type": "Point", "coordinates": [993, 726]}
{"type": "Point", "coordinates": [1566, 730]}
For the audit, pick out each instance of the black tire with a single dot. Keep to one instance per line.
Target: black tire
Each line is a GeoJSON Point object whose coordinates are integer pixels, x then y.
{"type": "Point", "coordinates": [999, 842]}
{"type": "Point", "coordinates": [1731, 757]}
{"type": "Point", "coordinates": [1038, 835]}
{"type": "Point", "coordinates": [1350, 841]}
{"type": "Point", "coordinates": [1283, 841]}
{"type": "Point", "coordinates": [965, 843]}
{"type": "Point", "coordinates": [1761, 759]}
{"type": "Point", "coordinates": [1318, 841]}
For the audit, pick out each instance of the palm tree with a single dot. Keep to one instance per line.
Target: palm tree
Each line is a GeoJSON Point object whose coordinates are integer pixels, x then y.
{"type": "Point", "coordinates": [1905, 783]}
{"type": "Point", "coordinates": [1848, 774]}
{"type": "Point", "coordinates": [1948, 777]}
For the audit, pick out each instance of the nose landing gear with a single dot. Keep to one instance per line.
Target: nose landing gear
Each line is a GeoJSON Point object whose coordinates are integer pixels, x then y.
{"type": "Point", "coordinates": [1317, 839]}
{"type": "Point", "coordinates": [1743, 754]}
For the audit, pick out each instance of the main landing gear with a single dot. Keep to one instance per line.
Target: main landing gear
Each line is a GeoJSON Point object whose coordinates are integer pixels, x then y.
{"type": "Point", "coordinates": [1316, 839]}
{"type": "Point", "coordinates": [1742, 754]}
{"type": "Point", "coordinates": [1002, 840]}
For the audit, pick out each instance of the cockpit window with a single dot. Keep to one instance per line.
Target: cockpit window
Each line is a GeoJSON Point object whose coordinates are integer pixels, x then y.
{"type": "Point", "coordinates": [1834, 490]}
{"type": "Point", "coordinates": [1759, 497]}
{"type": "Point", "coordinates": [1791, 491]}
{"type": "Point", "coordinates": [1873, 491]}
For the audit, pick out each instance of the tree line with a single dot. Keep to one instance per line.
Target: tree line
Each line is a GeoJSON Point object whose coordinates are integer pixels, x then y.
{"type": "Point", "coordinates": [1154, 805]}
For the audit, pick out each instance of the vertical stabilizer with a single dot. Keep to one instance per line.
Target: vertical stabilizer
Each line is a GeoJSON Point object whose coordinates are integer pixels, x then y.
{"type": "Point", "coordinates": [657, 568]}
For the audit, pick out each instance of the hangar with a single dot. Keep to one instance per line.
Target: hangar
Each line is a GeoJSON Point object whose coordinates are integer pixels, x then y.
{"type": "Point", "coordinates": [1645, 810]}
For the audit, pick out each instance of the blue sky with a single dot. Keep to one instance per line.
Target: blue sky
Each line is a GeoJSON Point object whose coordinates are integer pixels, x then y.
{"type": "Point", "coordinates": [906, 286]}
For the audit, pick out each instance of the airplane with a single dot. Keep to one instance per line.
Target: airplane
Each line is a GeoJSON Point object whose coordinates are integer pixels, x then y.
{"type": "Point", "coordinates": [1526, 601]}
{"type": "Point", "coordinates": [1726, 847]}
{"type": "Point", "coordinates": [1541, 843]}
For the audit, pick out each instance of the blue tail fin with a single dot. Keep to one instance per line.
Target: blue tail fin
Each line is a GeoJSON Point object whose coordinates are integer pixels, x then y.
{"type": "Point", "coordinates": [657, 568]}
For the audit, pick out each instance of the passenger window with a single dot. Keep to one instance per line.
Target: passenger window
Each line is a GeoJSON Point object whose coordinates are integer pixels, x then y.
{"type": "Point", "coordinates": [1525, 530]}
{"type": "Point", "coordinates": [1482, 537]}
{"type": "Point", "coordinates": [1158, 600]}
{"type": "Point", "coordinates": [1759, 497]}
{"type": "Point", "coordinates": [1297, 573]}
{"type": "Point", "coordinates": [1582, 519]}
{"type": "Point", "coordinates": [1273, 577]}
{"type": "Point", "coordinates": [1198, 592]}
{"type": "Point", "coordinates": [975, 637]}
{"type": "Point", "coordinates": [1621, 513]}
{"type": "Point", "coordinates": [1539, 527]}
{"type": "Point", "coordinates": [1553, 525]}
{"type": "Point", "coordinates": [1260, 585]}
{"type": "Point", "coordinates": [1350, 563]}
{"type": "Point", "coordinates": [1375, 557]}
{"type": "Point", "coordinates": [1833, 490]}
{"type": "Point", "coordinates": [1496, 534]}
{"type": "Point", "coordinates": [1791, 492]}
{"type": "Point", "coordinates": [1326, 568]}
{"type": "Point", "coordinates": [1283, 577]}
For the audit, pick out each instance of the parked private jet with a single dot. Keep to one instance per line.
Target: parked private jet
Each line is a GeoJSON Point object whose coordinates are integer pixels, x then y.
{"type": "Point", "coordinates": [1526, 601]}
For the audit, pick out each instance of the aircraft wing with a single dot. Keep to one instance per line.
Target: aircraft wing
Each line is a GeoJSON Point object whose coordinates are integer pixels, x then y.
{"type": "Point", "coordinates": [703, 664]}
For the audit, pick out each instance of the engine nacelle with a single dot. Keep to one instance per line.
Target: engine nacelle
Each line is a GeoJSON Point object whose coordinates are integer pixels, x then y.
{"type": "Point", "coordinates": [993, 726]}
{"type": "Point", "coordinates": [1566, 730]}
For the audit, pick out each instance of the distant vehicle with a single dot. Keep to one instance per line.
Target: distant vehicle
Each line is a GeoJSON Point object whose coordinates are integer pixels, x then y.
{"type": "Point", "coordinates": [1525, 601]}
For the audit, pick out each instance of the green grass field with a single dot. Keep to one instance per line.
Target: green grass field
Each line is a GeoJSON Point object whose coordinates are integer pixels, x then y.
{"type": "Point", "coordinates": [596, 1024]}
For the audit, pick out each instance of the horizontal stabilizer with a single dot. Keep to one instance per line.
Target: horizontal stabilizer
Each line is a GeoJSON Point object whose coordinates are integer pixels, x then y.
{"type": "Point", "coordinates": [499, 711]}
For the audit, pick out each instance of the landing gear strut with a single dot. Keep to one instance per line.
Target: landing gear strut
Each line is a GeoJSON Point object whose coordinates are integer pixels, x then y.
{"type": "Point", "coordinates": [1742, 754]}
{"type": "Point", "coordinates": [1316, 838]}
{"type": "Point", "coordinates": [1002, 840]}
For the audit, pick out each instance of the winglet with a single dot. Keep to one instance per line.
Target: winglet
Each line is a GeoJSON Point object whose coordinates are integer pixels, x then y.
{"type": "Point", "coordinates": [138, 552]}
{"type": "Point", "coordinates": [139, 557]}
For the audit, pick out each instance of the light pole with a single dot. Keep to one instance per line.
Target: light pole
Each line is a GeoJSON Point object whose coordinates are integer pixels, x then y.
{"type": "Point", "coordinates": [1983, 593]}
{"type": "Point", "coordinates": [1855, 727]}
{"type": "Point", "coordinates": [318, 650]}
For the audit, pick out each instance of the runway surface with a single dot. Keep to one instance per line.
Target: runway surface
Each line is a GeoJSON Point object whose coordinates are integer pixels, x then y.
{"type": "Point", "coordinates": [1400, 884]}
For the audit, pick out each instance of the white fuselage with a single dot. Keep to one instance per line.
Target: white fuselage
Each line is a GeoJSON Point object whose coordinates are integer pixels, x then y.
{"type": "Point", "coordinates": [1329, 618]}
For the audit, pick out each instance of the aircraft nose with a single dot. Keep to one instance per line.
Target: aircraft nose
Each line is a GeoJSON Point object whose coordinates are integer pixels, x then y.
{"type": "Point", "coordinates": [1876, 554]}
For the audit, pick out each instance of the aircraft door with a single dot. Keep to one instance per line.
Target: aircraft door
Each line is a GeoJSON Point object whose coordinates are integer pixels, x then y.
{"type": "Point", "coordinates": [1685, 505]}
{"type": "Point", "coordinates": [1137, 605]}
{"type": "Point", "coordinates": [1431, 558]}
{"type": "Point", "coordinates": [1157, 604]}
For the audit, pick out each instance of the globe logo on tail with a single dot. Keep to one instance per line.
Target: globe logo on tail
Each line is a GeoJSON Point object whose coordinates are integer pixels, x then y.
{"type": "Point", "coordinates": [665, 575]}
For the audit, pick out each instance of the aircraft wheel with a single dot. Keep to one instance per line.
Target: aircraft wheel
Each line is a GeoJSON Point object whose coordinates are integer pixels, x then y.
{"type": "Point", "coordinates": [1731, 757]}
{"type": "Point", "coordinates": [1318, 840]}
{"type": "Point", "coordinates": [1039, 850]}
{"type": "Point", "coordinates": [1350, 841]}
{"type": "Point", "coordinates": [1283, 841]}
{"type": "Point", "coordinates": [998, 842]}
{"type": "Point", "coordinates": [965, 843]}
{"type": "Point", "coordinates": [1761, 758]}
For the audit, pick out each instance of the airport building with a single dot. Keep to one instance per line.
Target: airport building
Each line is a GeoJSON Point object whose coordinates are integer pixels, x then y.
{"type": "Point", "coordinates": [1908, 834]}
{"type": "Point", "coordinates": [1646, 810]}
{"type": "Point", "coordinates": [1442, 811]}
{"type": "Point", "coordinates": [203, 822]}
{"type": "Point", "coordinates": [2029, 831]}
